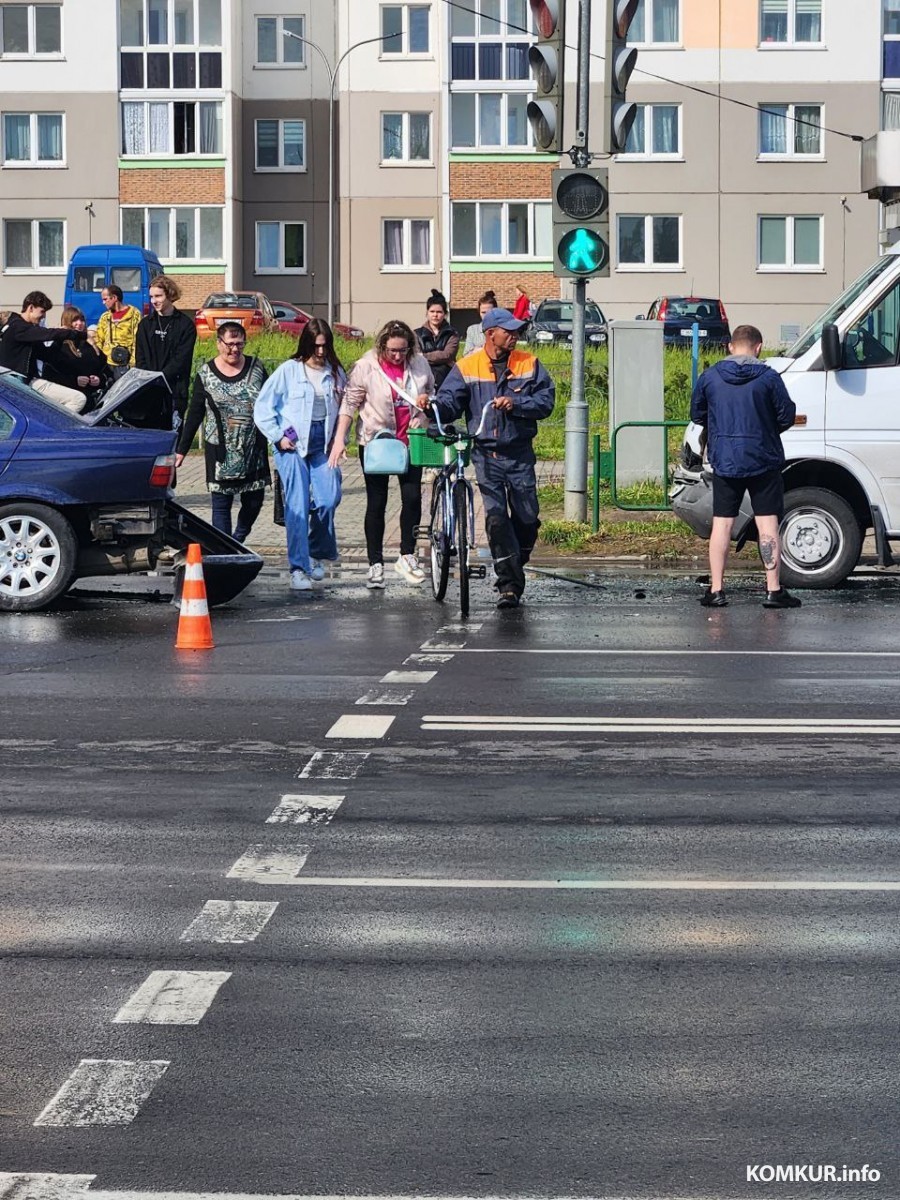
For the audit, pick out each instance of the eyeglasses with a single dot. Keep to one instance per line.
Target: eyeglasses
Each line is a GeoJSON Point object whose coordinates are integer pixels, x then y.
{"type": "Point", "coordinates": [231, 345]}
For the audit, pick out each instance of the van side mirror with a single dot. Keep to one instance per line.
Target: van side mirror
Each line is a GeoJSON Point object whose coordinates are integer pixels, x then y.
{"type": "Point", "coordinates": [832, 350]}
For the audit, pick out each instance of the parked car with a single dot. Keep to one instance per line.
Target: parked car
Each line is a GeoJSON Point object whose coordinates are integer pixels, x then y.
{"type": "Point", "coordinates": [293, 319]}
{"type": "Point", "coordinates": [87, 495]}
{"type": "Point", "coordinates": [92, 268]}
{"type": "Point", "coordinates": [253, 310]}
{"type": "Point", "coordinates": [679, 313]}
{"type": "Point", "coordinates": [552, 322]}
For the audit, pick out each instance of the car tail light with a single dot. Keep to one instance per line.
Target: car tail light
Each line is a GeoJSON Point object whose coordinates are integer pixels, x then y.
{"type": "Point", "coordinates": [199, 317]}
{"type": "Point", "coordinates": [722, 313]}
{"type": "Point", "coordinates": [163, 472]}
{"type": "Point", "coordinates": [661, 315]}
{"type": "Point", "coordinates": [257, 317]}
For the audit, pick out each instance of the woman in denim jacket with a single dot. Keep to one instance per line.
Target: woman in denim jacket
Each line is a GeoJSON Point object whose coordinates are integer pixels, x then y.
{"type": "Point", "coordinates": [297, 411]}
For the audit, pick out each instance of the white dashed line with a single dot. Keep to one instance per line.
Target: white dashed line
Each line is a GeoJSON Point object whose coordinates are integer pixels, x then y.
{"type": "Point", "coordinates": [305, 810]}
{"type": "Point", "coordinates": [427, 660]}
{"type": "Point", "coordinates": [172, 998]}
{"type": "Point", "coordinates": [439, 643]}
{"type": "Point", "coordinates": [661, 725]}
{"type": "Point", "coordinates": [355, 725]}
{"type": "Point", "coordinates": [408, 677]}
{"type": "Point", "coordinates": [269, 864]}
{"type": "Point", "coordinates": [103, 1092]}
{"type": "Point", "coordinates": [608, 885]}
{"type": "Point", "coordinates": [232, 922]}
{"type": "Point", "coordinates": [468, 627]}
{"type": "Point", "coordinates": [386, 696]}
{"type": "Point", "coordinates": [338, 764]}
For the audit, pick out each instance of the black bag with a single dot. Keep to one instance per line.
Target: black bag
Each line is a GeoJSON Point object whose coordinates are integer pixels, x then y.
{"type": "Point", "coordinates": [278, 497]}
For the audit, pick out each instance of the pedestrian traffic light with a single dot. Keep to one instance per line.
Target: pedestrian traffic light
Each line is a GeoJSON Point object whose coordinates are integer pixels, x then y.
{"type": "Point", "coordinates": [580, 222]}
{"type": "Point", "coordinates": [621, 59]}
{"type": "Point", "coordinates": [546, 59]}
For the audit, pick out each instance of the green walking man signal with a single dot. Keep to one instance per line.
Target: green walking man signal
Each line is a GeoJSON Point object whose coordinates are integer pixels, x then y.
{"type": "Point", "coordinates": [580, 222]}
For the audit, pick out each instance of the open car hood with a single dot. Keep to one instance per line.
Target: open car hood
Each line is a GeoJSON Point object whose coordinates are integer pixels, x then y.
{"type": "Point", "coordinates": [125, 388]}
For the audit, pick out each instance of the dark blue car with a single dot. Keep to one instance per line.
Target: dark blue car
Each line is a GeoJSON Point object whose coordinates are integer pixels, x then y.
{"type": "Point", "coordinates": [88, 495]}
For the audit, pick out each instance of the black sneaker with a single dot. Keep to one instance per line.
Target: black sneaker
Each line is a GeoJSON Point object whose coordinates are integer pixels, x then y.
{"type": "Point", "coordinates": [780, 599]}
{"type": "Point", "coordinates": [711, 599]}
{"type": "Point", "coordinates": [508, 600]}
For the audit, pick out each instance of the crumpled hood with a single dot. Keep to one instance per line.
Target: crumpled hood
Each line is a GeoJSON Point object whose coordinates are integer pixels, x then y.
{"type": "Point", "coordinates": [740, 369]}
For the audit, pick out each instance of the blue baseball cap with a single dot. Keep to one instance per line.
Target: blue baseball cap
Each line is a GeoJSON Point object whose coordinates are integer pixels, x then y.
{"type": "Point", "coordinates": [502, 318]}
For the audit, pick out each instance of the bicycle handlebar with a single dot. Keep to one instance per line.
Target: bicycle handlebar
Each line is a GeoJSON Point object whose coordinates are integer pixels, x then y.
{"type": "Point", "coordinates": [478, 432]}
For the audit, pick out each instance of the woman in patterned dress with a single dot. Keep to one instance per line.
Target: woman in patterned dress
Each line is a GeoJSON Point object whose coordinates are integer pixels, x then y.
{"type": "Point", "coordinates": [237, 461]}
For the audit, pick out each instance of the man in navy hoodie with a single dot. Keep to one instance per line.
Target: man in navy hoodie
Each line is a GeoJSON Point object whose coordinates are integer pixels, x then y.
{"type": "Point", "coordinates": [745, 408]}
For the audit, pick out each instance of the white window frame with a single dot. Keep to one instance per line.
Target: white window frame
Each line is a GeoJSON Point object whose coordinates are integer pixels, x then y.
{"type": "Point", "coordinates": [650, 266]}
{"type": "Point", "coordinates": [203, 98]}
{"type": "Point", "coordinates": [44, 164]}
{"type": "Point", "coordinates": [648, 29]}
{"type": "Point", "coordinates": [281, 269]}
{"type": "Point", "coordinates": [790, 267]}
{"type": "Point", "coordinates": [35, 245]}
{"type": "Point", "coordinates": [170, 44]}
{"type": "Point", "coordinates": [404, 160]}
{"type": "Point", "coordinates": [301, 170]}
{"type": "Point", "coordinates": [32, 38]}
{"type": "Point", "coordinates": [385, 47]}
{"type": "Point", "coordinates": [791, 42]}
{"type": "Point", "coordinates": [404, 267]}
{"type": "Point", "coordinates": [791, 155]}
{"type": "Point", "coordinates": [280, 39]}
{"type": "Point", "coordinates": [647, 154]}
{"type": "Point", "coordinates": [472, 88]}
{"type": "Point", "coordinates": [171, 258]}
{"type": "Point", "coordinates": [503, 254]}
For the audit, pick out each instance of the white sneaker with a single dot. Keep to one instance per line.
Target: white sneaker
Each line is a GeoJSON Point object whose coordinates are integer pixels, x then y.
{"type": "Point", "coordinates": [317, 572]}
{"type": "Point", "coordinates": [300, 581]}
{"type": "Point", "coordinates": [375, 576]}
{"type": "Point", "coordinates": [407, 565]}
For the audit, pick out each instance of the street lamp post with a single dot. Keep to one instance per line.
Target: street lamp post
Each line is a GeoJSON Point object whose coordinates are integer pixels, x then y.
{"type": "Point", "coordinates": [332, 78]}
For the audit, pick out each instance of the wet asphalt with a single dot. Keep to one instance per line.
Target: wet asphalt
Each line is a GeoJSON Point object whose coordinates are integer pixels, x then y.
{"type": "Point", "coordinates": [650, 1037]}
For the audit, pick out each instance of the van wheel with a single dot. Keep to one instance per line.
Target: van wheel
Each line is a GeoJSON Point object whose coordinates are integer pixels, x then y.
{"type": "Point", "coordinates": [38, 556]}
{"type": "Point", "coordinates": [820, 539]}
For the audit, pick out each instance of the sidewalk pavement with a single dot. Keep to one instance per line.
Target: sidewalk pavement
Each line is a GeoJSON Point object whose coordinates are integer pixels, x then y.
{"type": "Point", "coordinates": [268, 539]}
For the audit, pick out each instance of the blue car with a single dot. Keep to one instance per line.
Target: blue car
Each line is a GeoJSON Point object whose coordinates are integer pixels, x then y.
{"type": "Point", "coordinates": [89, 495]}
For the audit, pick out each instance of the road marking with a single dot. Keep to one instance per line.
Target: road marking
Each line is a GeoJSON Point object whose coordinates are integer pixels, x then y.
{"type": "Point", "coordinates": [355, 725]}
{"type": "Point", "coordinates": [697, 725]}
{"type": "Point", "coordinates": [99, 1194]}
{"type": "Point", "coordinates": [689, 653]}
{"type": "Point", "coordinates": [390, 696]}
{"type": "Point", "coordinates": [438, 643]}
{"type": "Point", "coordinates": [305, 810]}
{"type": "Point", "coordinates": [103, 1092]}
{"type": "Point", "coordinates": [459, 627]}
{"type": "Point", "coordinates": [424, 660]}
{"type": "Point", "coordinates": [334, 764]}
{"type": "Point", "coordinates": [230, 921]}
{"type": "Point", "coordinates": [24, 1185]}
{"type": "Point", "coordinates": [408, 677]}
{"type": "Point", "coordinates": [606, 885]}
{"type": "Point", "coordinates": [269, 864]}
{"type": "Point", "coordinates": [276, 620]}
{"type": "Point", "coordinates": [172, 998]}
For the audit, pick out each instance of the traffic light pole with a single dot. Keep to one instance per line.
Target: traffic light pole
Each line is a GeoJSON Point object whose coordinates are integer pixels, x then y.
{"type": "Point", "coordinates": [577, 408]}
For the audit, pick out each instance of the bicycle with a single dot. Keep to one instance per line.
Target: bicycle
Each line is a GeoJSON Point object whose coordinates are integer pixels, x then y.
{"type": "Point", "coordinates": [451, 530]}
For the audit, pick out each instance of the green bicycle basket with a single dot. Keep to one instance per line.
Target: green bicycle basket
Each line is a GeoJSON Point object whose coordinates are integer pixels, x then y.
{"type": "Point", "coordinates": [425, 452]}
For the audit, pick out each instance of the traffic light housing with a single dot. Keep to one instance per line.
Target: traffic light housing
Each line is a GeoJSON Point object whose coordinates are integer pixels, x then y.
{"type": "Point", "coordinates": [546, 57]}
{"type": "Point", "coordinates": [580, 222]}
{"type": "Point", "coordinates": [621, 59]}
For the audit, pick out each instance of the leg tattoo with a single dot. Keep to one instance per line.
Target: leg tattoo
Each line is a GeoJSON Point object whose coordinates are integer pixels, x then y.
{"type": "Point", "coordinates": [768, 552]}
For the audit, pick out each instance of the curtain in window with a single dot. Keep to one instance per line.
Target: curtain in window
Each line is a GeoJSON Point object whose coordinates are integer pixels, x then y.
{"type": "Point", "coordinates": [665, 129]}
{"type": "Point", "coordinates": [665, 20]}
{"type": "Point", "coordinates": [266, 144]}
{"type": "Point", "coordinates": [464, 226]}
{"type": "Point", "coordinates": [419, 137]}
{"type": "Point", "coordinates": [517, 60]}
{"type": "Point", "coordinates": [666, 247]}
{"type": "Point", "coordinates": [631, 240]}
{"type": "Point", "coordinates": [773, 21]}
{"type": "Point", "coordinates": [490, 120]}
{"type": "Point", "coordinates": [637, 137]}
{"type": "Point", "coordinates": [393, 243]}
{"type": "Point", "coordinates": [18, 244]}
{"type": "Point", "coordinates": [890, 110]}
{"type": "Point", "coordinates": [490, 60]}
{"type": "Point", "coordinates": [17, 137]}
{"type": "Point", "coordinates": [210, 232]}
{"type": "Point", "coordinates": [418, 30]}
{"type": "Point", "coordinates": [808, 21]}
{"type": "Point", "coordinates": [268, 245]}
{"type": "Point", "coordinates": [159, 129]}
{"type": "Point", "coordinates": [462, 60]}
{"type": "Point", "coordinates": [50, 243]}
{"type": "Point", "coordinates": [772, 241]}
{"type": "Point", "coordinates": [50, 148]}
{"type": "Point", "coordinates": [134, 140]}
{"type": "Point", "coordinates": [420, 243]}
{"type": "Point", "coordinates": [391, 136]}
{"type": "Point", "coordinates": [638, 27]}
{"type": "Point", "coordinates": [773, 129]}
{"type": "Point", "coordinates": [210, 128]}
{"type": "Point", "coordinates": [294, 149]}
{"type": "Point", "coordinates": [807, 134]}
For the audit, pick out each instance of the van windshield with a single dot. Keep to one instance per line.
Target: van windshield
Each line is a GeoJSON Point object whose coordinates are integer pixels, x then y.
{"type": "Point", "coordinates": [843, 302]}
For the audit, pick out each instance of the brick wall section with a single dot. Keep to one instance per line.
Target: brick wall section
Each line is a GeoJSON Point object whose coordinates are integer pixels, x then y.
{"type": "Point", "coordinates": [465, 288]}
{"type": "Point", "coordinates": [195, 288]}
{"type": "Point", "coordinates": [190, 185]}
{"type": "Point", "coordinates": [500, 181]}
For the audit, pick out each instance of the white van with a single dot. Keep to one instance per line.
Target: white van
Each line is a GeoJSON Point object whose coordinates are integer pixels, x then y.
{"type": "Point", "coordinates": [842, 475]}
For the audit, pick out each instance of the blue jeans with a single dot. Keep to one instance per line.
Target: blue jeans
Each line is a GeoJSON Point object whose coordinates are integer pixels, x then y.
{"type": "Point", "coordinates": [312, 492]}
{"type": "Point", "coordinates": [251, 503]}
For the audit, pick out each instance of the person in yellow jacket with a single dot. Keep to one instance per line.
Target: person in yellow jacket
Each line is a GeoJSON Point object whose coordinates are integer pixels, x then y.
{"type": "Point", "coordinates": [117, 329]}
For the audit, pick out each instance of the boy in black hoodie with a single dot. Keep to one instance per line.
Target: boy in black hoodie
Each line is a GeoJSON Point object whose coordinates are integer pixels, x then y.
{"type": "Point", "coordinates": [21, 339]}
{"type": "Point", "coordinates": [165, 342]}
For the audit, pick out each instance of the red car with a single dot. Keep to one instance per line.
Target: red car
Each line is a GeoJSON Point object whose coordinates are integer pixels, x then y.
{"type": "Point", "coordinates": [293, 320]}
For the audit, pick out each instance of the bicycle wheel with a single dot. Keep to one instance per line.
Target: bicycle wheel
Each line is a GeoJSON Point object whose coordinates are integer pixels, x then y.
{"type": "Point", "coordinates": [461, 503]}
{"type": "Point", "coordinates": [440, 542]}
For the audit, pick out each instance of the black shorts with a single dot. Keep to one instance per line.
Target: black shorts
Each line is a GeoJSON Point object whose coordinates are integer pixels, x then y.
{"type": "Point", "coordinates": [766, 494]}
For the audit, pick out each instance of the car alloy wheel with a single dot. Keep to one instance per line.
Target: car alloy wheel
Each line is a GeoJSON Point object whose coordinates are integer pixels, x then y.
{"type": "Point", "coordinates": [37, 556]}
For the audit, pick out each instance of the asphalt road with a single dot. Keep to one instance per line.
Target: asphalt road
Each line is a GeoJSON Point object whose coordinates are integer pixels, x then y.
{"type": "Point", "coordinates": [597, 898]}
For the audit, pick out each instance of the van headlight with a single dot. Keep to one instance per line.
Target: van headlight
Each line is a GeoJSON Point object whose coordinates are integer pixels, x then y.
{"type": "Point", "coordinates": [543, 335]}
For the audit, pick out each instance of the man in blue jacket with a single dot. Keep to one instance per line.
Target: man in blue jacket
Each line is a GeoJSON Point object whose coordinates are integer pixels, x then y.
{"type": "Point", "coordinates": [745, 408]}
{"type": "Point", "coordinates": [521, 393]}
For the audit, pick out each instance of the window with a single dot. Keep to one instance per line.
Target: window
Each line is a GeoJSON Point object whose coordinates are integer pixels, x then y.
{"type": "Point", "coordinates": [281, 247]}
{"type": "Point", "coordinates": [502, 229]}
{"type": "Point", "coordinates": [656, 22]}
{"type": "Point", "coordinates": [649, 241]}
{"type": "Point", "coordinates": [191, 234]}
{"type": "Point", "coordinates": [280, 145]}
{"type": "Point", "coordinates": [178, 127]}
{"type": "Point", "coordinates": [890, 110]}
{"type": "Point", "coordinates": [277, 43]}
{"type": "Point", "coordinates": [790, 243]}
{"type": "Point", "coordinates": [490, 41]}
{"type": "Point", "coordinates": [406, 29]}
{"type": "Point", "coordinates": [891, 46]}
{"type": "Point", "coordinates": [790, 22]}
{"type": "Point", "coordinates": [872, 341]}
{"type": "Point", "coordinates": [489, 120]}
{"type": "Point", "coordinates": [656, 132]}
{"type": "Point", "coordinates": [790, 130]}
{"type": "Point", "coordinates": [149, 29]}
{"type": "Point", "coordinates": [406, 137]}
{"type": "Point", "coordinates": [406, 244]}
{"type": "Point", "coordinates": [33, 140]}
{"type": "Point", "coordinates": [34, 245]}
{"type": "Point", "coordinates": [30, 29]}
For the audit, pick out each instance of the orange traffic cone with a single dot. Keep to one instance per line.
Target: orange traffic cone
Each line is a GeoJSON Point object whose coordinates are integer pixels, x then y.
{"type": "Point", "coordinates": [194, 626]}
